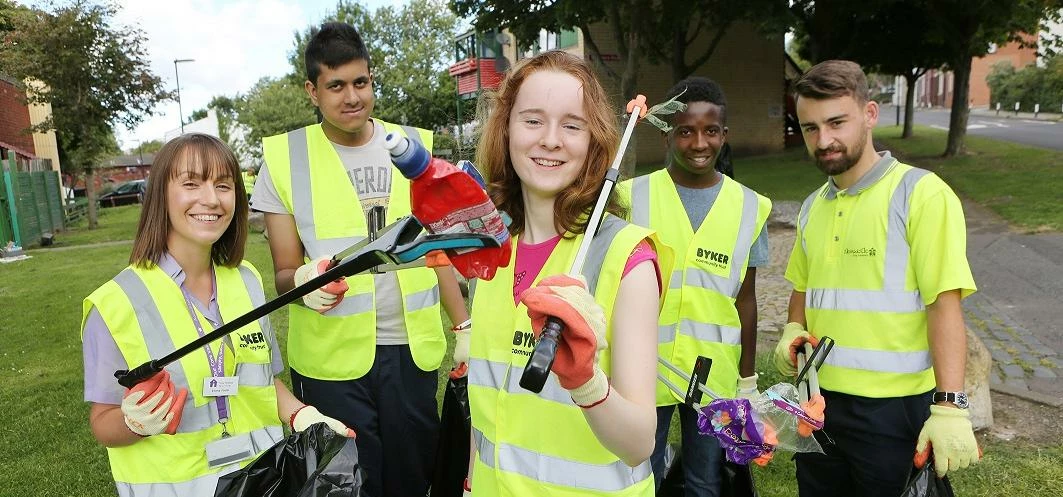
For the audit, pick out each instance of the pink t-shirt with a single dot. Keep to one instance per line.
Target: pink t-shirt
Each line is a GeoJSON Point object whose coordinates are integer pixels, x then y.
{"type": "Point", "coordinates": [531, 257]}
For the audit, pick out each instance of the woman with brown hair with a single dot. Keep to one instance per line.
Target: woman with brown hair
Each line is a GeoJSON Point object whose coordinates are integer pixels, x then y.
{"type": "Point", "coordinates": [546, 146]}
{"type": "Point", "coordinates": [208, 413]}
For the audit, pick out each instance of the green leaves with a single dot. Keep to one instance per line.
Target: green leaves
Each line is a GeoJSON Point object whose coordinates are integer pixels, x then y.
{"type": "Point", "coordinates": [94, 74]}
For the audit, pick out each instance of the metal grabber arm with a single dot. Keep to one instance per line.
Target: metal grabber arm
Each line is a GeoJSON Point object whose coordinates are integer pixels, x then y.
{"type": "Point", "coordinates": [396, 246]}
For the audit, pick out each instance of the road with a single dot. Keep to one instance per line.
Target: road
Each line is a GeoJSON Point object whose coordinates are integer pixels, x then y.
{"type": "Point", "coordinates": [1046, 134]}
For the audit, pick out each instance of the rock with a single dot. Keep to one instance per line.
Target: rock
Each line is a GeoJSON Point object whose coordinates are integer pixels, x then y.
{"type": "Point", "coordinates": [256, 222]}
{"type": "Point", "coordinates": [976, 382]}
{"type": "Point", "coordinates": [783, 214]}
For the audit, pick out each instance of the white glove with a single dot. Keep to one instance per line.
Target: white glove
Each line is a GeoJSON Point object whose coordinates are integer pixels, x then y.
{"type": "Point", "coordinates": [461, 344]}
{"type": "Point", "coordinates": [747, 387]}
{"type": "Point", "coordinates": [152, 407]}
{"type": "Point", "coordinates": [307, 415]}
{"type": "Point", "coordinates": [327, 296]}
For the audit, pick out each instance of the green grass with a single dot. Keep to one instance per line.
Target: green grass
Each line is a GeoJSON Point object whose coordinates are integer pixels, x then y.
{"type": "Point", "coordinates": [113, 224]}
{"type": "Point", "coordinates": [45, 440]}
{"type": "Point", "coordinates": [1018, 182]}
{"type": "Point", "coordinates": [1018, 467]}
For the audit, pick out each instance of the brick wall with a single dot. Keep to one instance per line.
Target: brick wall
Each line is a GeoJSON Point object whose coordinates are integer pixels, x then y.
{"type": "Point", "coordinates": [1011, 53]}
{"type": "Point", "coordinates": [749, 68]}
{"type": "Point", "coordinates": [14, 118]}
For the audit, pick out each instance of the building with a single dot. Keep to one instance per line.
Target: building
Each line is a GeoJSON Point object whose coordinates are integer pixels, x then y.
{"type": "Point", "coordinates": [33, 151]}
{"type": "Point", "coordinates": [934, 89]}
{"type": "Point", "coordinates": [749, 66]}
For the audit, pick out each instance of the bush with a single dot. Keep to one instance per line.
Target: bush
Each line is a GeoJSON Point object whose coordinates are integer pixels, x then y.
{"type": "Point", "coordinates": [1029, 86]}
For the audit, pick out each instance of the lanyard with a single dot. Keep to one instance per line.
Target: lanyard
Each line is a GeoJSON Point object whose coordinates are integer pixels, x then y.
{"type": "Point", "coordinates": [217, 364]}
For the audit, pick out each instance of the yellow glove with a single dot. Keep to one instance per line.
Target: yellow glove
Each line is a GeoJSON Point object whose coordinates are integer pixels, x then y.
{"type": "Point", "coordinates": [747, 387]}
{"type": "Point", "coordinates": [461, 343]}
{"type": "Point", "coordinates": [306, 416]}
{"type": "Point", "coordinates": [951, 437]}
{"type": "Point", "coordinates": [794, 335]}
{"type": "Point", "coordinates": [328, 296]}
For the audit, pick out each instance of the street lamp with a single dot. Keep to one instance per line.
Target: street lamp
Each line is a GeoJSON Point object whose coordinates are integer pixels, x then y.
{"type": "Point", "coordinates": [180, 112]}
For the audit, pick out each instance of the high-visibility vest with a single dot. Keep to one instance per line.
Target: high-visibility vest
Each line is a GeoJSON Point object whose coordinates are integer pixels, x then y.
{"type": "Point", "coordinates": [540, 444]}
{"type": "Point", "coordinates": [699, 315]}
{"type": "Point", "coordinates": [249, 182]}
{"type": "Point", "coordinates": [340, 344]}
{"type": "Point", "coordinates": [872, 306]}
{"type": "Point", "coordinates": [148, 317]}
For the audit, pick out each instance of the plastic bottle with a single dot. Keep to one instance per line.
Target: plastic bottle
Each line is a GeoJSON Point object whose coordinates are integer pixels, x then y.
{"type": "Point", "coordinates": [446, 199]}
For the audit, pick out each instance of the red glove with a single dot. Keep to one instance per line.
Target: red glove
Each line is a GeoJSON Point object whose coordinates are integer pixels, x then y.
{"type": "Point", "coordinates": [576, 363]}
{"type": "Point", "coordinates": [151, 407]}
{"type": "Point", "coordinates": [326, 297]}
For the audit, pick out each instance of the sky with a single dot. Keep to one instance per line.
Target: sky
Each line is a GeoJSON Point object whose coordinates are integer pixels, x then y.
{"type": "Point", "coordinates": [234, 43]}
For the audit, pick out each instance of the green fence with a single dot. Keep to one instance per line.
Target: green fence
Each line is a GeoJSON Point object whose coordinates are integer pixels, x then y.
{"type": "Point", "coordinates": [31, 203]}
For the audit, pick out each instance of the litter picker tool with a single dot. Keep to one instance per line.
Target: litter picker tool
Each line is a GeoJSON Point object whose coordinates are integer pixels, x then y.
{"type": "Point", "coordinates": [394, 247]}
{"type": "Point", "coordinates": [542, 358]}
{"type": "Point", "coordinates": [809, 359]}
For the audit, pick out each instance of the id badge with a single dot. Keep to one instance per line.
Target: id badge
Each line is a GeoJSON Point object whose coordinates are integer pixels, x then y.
{"type": "Point", "coordinates": [228, 450]}
{"type": "Point", "coordinates": [221, 386]}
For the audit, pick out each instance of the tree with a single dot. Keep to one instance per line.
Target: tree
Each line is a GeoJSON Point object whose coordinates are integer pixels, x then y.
{"type": "Point", "coordinates": [968, 29]}
{"type": "Point", "coordinates": [271, 107]}
{"type": "Point", "coordinates": [148, 147]}
{"type": "Point", "coordinates": [636, 38]}
{"type": "Point", "coordinates": [94, 74]}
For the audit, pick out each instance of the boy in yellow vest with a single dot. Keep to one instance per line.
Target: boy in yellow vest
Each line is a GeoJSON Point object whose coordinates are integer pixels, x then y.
{"type": "Point", "coordinates": [365, 349]}
{"type": "Point", "coordinates": [716, 226]}
{"type": "Point", "coordinates": [879, 265]}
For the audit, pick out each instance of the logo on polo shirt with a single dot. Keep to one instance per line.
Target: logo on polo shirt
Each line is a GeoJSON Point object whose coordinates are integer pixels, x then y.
{"type": "Point", "coordinates": [860, 252]}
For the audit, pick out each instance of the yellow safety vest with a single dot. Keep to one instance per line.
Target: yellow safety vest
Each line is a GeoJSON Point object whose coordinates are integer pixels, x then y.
{"type": "Point", "coordinates": [340, 344]}
{"type": "Point", "coordinates": [540, 444]}
{"type": "Point", "coordinates": [249, 182]}
{"type": "Point", "coordinates": [699, 315]}
{"type": "Point", "coordinates": [872, 306]}
{"type": "Point", "coordinates": [148, 317]}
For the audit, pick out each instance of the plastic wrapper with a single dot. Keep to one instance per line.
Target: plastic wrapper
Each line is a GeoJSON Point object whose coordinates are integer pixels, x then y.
{"type": "Point", "coordinates": [751, 431]}
{"type": "Point", "coordinates": [316, 462]}
{"type": "Point", "coordinates": [452, 453]}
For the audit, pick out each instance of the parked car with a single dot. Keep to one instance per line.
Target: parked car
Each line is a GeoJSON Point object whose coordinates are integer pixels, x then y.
{"type": "Point", "coordinates": [128, 193]}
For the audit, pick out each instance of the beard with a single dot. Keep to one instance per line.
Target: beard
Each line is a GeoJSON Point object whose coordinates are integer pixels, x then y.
{"type": "Point", "coordinates": [847, 160]}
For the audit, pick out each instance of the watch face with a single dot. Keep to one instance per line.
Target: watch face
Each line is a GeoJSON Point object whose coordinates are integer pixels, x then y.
{"type": "Point", "coordinates": [961, 400]}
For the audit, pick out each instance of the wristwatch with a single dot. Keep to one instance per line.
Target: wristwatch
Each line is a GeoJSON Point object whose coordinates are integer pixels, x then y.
{"type": "Point", "coordinates": [957, 398]}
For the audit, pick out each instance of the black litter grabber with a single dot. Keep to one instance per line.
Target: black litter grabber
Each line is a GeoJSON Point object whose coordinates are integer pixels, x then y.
{"type": "Point", "coordinates": [398, 245]}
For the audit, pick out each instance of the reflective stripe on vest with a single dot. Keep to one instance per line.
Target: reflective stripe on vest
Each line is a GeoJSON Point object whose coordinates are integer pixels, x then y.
{"type": "Point", "coordinates": [510, 460]}
{"type": "Point", "coordinates": [261, 440]}
{"type": "Point", "coordinates": [891, 299]}
{"type": "Point", "coordinates": [160, 343]}
{"type": "Point", "coordinates": [612, 477]}
{"type": "Point", "coordinates": [339, 344]}
{"type": "Point", "coordinates": [699, 315]}
{"type": "Point", "coordinates": [148, 317]}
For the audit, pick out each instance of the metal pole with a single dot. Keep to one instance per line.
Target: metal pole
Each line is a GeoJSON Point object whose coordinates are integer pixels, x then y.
{"type": "Point", "coordinates": [177, 75]}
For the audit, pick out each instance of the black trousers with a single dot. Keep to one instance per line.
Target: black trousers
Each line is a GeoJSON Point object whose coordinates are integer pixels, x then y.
{"type": "Point", "coordinates": [868, 444]}
{"type": "Point", "coordinates": [393, 410]}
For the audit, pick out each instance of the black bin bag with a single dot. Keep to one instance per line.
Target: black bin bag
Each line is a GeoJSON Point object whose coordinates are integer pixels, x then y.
{"type": "Point", "coordinates": [924, 482]}
{"type": "Point", "coordinates": [452, 453]}
{"type": "Point", "coordinates": [736, 479]}
{"type": "Point", "coordinates": [317, 462]}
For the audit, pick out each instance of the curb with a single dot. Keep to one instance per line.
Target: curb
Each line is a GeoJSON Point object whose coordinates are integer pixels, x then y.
{"type": "Point", "coordinates": [1031, 396]}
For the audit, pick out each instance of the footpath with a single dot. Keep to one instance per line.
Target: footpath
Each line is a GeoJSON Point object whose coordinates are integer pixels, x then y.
{"type": "Point", "coordinates": [1017, 311]}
